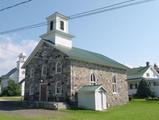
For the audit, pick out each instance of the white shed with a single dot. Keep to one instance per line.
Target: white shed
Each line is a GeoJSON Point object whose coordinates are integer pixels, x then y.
{"type": "Point", "coordinates": [92, 97]}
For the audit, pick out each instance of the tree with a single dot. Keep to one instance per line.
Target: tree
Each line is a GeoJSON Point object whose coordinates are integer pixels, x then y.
{"type": "Point", "coordinates": [144, 90]}
{"type": "Point", "coordinates": [12, 89]}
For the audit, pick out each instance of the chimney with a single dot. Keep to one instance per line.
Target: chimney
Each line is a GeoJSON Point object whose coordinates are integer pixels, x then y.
{"type": "Point", "coordinates": [155, 65]}
{"type": "Point", "coordinates": [147, 64]}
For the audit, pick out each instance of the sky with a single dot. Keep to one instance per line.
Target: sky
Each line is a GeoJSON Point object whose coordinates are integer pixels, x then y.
{"type": "Point", "coordinates": [129, 35]}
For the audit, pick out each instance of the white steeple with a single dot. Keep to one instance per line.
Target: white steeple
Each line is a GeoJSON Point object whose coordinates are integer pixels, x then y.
{"type": "Point", "coordinates": [57, 30]}
{"type": "Point", "coordinates": [21, 71]}
{"type": "Point", "coordinates": [20, 62]}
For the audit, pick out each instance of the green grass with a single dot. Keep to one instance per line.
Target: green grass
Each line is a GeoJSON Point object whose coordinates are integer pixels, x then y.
{"type": "Point", "coordinates": [15, 98]}
{"type": "Point", "coordinates": [135, 110]}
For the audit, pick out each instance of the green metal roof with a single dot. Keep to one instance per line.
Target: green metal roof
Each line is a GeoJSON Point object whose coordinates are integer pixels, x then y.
{"type": "Point", "coordinates": [90, 88]}
{"type": "Point", "coordinates": [91, 57]}
{"type": "Point", "coordinates": [136, 72]}
{"type": "Point", "coordinates": [9, 73]}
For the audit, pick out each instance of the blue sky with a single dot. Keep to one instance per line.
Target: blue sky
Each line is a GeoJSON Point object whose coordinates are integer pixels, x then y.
{"type": "Point", "coordinates": [129, 35]}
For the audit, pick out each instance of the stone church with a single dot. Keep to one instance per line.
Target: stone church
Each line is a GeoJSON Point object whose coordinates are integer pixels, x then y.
{"type": "Point", "coordinates": [56, 70]}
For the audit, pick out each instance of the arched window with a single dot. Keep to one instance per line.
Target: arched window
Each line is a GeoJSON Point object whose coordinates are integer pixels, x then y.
{"type": "Point", "coordinates": [62, 25]}
{"type": "Point", "coordinates": [31, 90]}
{"type": "Point", "coordinates": [93, 79]}
{"type": "Point", "coordinates": [44, 70]}
{"type": "Point", "coordinates": [58, 88]}
{"type": "Point", "coordinates": [114, 84]}
{"type": "Point", "coordinates": [31, 72]}
{"type": "Point", "coordinates": [58, 67]}
{"type": "Point", "coordinates": [51, 25]}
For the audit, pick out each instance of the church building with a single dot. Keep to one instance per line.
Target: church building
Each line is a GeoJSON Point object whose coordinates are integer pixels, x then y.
{"type": "Point", "coordinates": [56, 71]}
{"type": "Point", "coordinates": [17, 74]}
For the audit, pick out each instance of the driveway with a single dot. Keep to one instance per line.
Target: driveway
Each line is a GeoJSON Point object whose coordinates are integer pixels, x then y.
{"type": "Point", "coordinates": [11, 107]}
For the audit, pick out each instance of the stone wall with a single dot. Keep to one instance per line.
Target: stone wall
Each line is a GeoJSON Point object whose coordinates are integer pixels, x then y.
{"type": "Point", "coordinates": [81, 75]}
{"type": "Point", "coordinates": [74, 75]}
{"type": "Point", "coordinates": [48, 56]}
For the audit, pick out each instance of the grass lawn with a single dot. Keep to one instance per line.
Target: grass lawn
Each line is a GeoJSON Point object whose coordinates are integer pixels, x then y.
{"type": "Point", "coordinates": [135, 110]}
{"type": "Point", "coordinates": [17, 98]}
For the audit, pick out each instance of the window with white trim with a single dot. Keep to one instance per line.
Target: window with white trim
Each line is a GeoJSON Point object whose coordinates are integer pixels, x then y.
{"type": "Point", "coordinates": [58, 67]}
{"type": "Point", "coordinates": [148, 74]}
{"type": "Point", "coordinates": [131, 86]}
{"type": "Point", "coordinates": [93, 79]}
{"type": "Point", "coordinates": [31, 89]}
{"type": "Point", "coordinates": [58, 88]}
{"type": "Point", "coordinates": [136, 86]}
{"type": "Point", "coordinates": [44, 70]}
{"type": "Point", "coordinates": [114, 84]}
{"type": "Point", "coordinates": [31, 72]}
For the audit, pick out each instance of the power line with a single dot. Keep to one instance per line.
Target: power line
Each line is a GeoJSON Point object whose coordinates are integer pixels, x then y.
{"type": "Point", "coordinates": [15, 5]}
{"type": "Point", "coordinates": [25, 28]}
{"type": "Point", "coordinates": [93, 10]}
{"type": "Point", "coordinates": [109, 8]}
{"type": "Point", "coordinates": [84, 14]}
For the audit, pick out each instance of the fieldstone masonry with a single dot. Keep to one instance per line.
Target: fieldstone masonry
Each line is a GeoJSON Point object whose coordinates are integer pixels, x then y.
{"type": "Point", "coordinates": [81, 74]}
{"type": "Point", "coordinates": [74, 75]}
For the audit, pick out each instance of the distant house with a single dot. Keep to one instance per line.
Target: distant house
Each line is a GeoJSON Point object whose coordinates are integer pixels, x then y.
{"type": "Point", "coordinates": [11, 75]}
{"type": "Point", "coordinates": [148, 73]}
{"type": "Point", "coordinates": [0, 86]}
{"type": "Point", "coordinates": [16, 74]}
{"type": "Point", "coordinates": [56, 71]}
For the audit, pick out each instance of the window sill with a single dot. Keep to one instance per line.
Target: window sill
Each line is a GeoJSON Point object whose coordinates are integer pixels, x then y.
{"type": "Point", "coordinates": [115, 93]}
{"type": "Point", "coordinates": [58, 93]}
{"type": "Point", "coordinates": [58, 73]}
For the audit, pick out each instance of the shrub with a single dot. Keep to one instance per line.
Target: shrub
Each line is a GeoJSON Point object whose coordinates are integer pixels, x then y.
{"type": "Point", "coordinates": [12, 89]}
{"type": "Point", "coordinates": [144, 90]}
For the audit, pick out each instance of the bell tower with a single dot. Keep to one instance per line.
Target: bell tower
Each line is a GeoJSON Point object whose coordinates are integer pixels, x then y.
{"type": "Point", "coordinates": [57, 30]}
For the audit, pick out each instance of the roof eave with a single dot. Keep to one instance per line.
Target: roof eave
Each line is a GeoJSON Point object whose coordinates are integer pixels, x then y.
{"type": "Point", "coordinates": [97, 64]}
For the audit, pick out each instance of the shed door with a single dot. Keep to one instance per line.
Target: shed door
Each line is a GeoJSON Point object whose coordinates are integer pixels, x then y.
{"type": "Point", "coordinates": [102, 104]}
{"type": "Point", "coordinates": [43, 92]}
{"type": "Point", "coordinates": [101, 101]}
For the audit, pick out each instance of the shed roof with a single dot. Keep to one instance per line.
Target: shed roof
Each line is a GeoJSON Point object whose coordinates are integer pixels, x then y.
{"type": "Point", "coordinates": [91, 88]}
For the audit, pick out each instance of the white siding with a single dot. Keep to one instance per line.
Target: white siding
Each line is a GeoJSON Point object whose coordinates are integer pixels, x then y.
{"type": "Point", "coordinates": [59, 40]}
{"type": "Point", "coordinates": [151, 73]}
{"type": "Point", "coordinates": [22, 88]}
{"type": "Point", "coordinates": [132, 91]}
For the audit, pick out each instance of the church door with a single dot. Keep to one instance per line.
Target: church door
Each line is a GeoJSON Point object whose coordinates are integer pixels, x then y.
{"type": "Point", "coordinates": [43, 92]}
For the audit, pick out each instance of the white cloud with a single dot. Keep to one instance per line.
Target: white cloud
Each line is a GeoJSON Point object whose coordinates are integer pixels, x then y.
{"type": "Point", "coordinates": [10, 49]}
